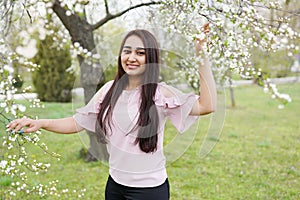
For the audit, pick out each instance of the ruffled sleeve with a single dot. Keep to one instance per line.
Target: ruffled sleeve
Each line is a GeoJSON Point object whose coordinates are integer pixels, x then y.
{"type": "Point", "coordinates": [86, 116]}
{"type": "Point", "coordinates": [177, 106]}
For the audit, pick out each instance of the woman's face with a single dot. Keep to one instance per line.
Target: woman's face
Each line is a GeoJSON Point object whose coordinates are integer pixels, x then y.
{"type": "Point", "coordinates": [133, 56]}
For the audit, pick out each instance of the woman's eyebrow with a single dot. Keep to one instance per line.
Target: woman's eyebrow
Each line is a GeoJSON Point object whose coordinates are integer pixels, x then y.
{"type": "Point", "coordinates": [137, 48]}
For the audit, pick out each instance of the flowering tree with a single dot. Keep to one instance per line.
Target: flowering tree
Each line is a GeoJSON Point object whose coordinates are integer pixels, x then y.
{"type": "Point", "coordinates": [16, 161]}
{"type": "Point", "coordinates": [236, 28]}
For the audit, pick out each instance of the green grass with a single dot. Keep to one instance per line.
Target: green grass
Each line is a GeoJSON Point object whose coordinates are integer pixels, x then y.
{"type": "Point", "coordinates": [256, 157]}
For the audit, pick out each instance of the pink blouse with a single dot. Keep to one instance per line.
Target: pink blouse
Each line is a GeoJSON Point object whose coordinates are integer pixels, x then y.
{"type": "Point", "coordinates": [128, 165]}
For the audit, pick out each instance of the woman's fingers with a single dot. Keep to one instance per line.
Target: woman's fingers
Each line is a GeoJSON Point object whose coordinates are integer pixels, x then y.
{"type": "Point", "coordinates": [30, 130]}
{"type": "Point", "coordinates": [12, 125]}
{"type": "Point", "coordinates": [205, 27]}
{"type": "Point", "coordinates": [18, 125]}
{"type": "Point", "coordinates": [201, 40]}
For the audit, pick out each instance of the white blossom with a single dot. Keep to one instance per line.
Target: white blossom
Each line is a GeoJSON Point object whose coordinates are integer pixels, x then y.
{"type": "Point", "coordinates": [28, 51]}
{"type": "Point", "coordinates": [3, 164]}
{"type": "Point", "coordinates": [68, 13]}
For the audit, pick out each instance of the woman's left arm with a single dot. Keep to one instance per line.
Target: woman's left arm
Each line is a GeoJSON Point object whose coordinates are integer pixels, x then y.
{"type": "Point", "coordinates": [207, 102]}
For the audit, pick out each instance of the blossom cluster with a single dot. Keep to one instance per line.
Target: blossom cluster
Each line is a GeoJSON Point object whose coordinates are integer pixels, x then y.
{"type": "Point", "coordinates": [236, 27]}
{"type": "Point", "coordinates": [91, 58]}
{"type": "Point", "coordinates": [46, 24]}
{"type": "Point", "coordinates": [16, 162]}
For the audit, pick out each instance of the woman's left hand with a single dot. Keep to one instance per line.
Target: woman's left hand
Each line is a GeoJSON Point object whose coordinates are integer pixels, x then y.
{"type": "Point", "coordinates": [202, 39]}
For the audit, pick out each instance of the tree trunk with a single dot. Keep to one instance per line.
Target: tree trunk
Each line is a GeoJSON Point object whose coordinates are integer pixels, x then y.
{"type": "Point", "coordinates": [91, 73]}
{"type": "Point", "coordinates": [231, 90]}
{"type": "Point", "coordinates": [91, 77]}
{"type": "Point", "coordinates": [232, 97]}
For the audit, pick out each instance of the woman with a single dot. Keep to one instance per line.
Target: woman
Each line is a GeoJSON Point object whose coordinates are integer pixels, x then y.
{"type": "Point", "coordinates": [129, 114]}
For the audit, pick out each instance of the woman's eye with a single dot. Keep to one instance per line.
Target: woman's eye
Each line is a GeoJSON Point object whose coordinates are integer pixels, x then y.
{"type": "Point", "coordinates": [126, 51]}
{"type": "Point", "coordinates": [140, 53]}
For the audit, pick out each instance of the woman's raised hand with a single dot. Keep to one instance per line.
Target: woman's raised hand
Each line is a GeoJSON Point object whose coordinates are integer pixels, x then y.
{"type": "Point", "coordinates": [24, 125]}
{"type": "Point", "coordinates": [201, 40]}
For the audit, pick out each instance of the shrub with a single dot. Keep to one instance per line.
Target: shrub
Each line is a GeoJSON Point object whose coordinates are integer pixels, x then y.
{"type": "Point", "coordinates": [53, 82]}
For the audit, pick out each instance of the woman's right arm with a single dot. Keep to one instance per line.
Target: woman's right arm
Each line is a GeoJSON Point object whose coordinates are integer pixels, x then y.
{"type": "Point", "coordinates": [63, 125]}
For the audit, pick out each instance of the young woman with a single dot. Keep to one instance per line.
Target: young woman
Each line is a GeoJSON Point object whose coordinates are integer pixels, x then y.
{"type": "Point", "coordinates": [129, 114]}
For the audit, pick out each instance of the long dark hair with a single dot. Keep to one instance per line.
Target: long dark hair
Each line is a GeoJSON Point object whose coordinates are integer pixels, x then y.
{"type": "Point", "coordinates": [148, 117]}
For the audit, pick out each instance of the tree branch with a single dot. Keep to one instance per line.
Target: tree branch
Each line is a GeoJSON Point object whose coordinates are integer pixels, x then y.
{"type": "Point", "coordinates": [71, 22]}
{"type": "Point", "coordinates": [109, 16]}
{"type": "Point", "coordinates": [7, 16]}
{"type": "Point", "coordinates": [106, 7]}
{"type": "Point", "coordinates": [292, 12]}
{"type": "Point", "coordinates": [30, 18]}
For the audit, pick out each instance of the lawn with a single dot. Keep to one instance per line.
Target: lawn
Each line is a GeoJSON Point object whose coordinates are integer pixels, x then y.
{"type": "Point", "coordinates": [257, 155]}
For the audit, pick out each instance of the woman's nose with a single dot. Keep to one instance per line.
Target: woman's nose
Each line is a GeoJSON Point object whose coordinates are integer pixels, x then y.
{"type": "Point", "coordinates": [132, 57]}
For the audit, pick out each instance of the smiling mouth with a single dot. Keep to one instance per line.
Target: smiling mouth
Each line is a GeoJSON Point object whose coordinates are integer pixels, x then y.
{"type": "Point", "coordinates": [132, 66]}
